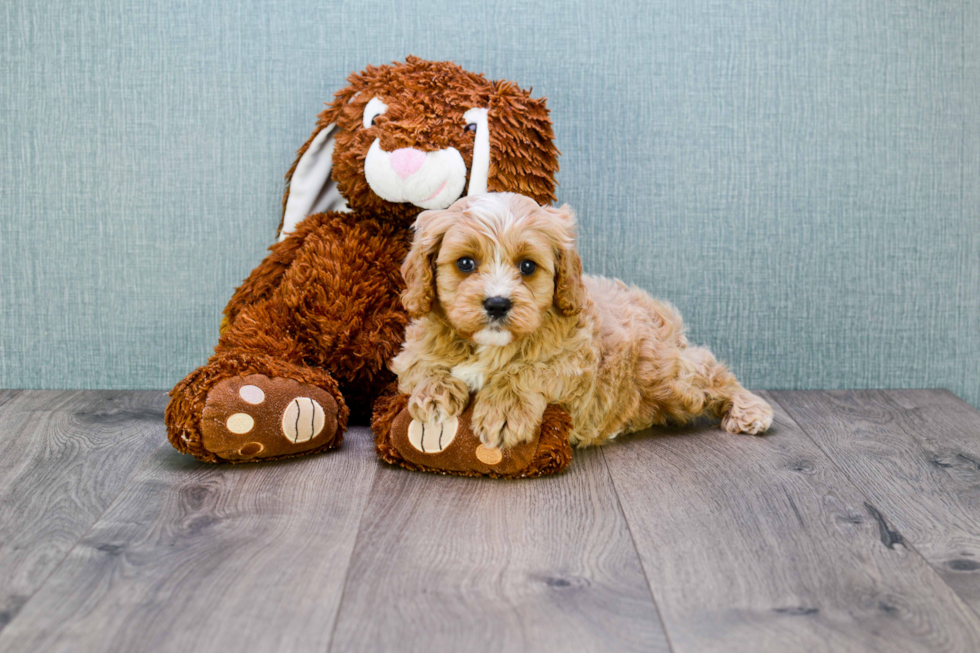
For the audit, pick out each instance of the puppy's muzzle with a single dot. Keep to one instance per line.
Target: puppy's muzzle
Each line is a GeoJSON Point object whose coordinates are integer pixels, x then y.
{"type": "Point", "coordinates": [497, 307]}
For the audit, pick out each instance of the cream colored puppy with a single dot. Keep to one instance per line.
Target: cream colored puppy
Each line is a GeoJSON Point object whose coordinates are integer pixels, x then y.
{"type": "Point", "coordinates": [501, 308]}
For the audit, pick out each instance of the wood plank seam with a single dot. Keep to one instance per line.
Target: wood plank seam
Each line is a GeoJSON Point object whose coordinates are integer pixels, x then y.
{"type": "Point", "coordinates": [888, 534]}
{"type": "Point", "coordinates": [444, 563]}
{"type": "Point", "coordinates": [629, 529]}
{"type": "Point", "coordinates": [353, 550]}
{"type": "Point", "coordinates": [734, 567]}
{"type": "Point", "coordinates": [88, 530]}
{"type": "Point", "coordinates": [6, 396]}
{"type": "Point", "coordinates": [220, 556]}
{"type": "Point", "coordinates": [955, 397]}
{"type": "Point", "coordinates": [911, 451]}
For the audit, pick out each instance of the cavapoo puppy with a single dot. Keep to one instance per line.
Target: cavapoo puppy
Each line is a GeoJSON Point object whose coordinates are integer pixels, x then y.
{"type": "Point", "coordinates": [500, 308]}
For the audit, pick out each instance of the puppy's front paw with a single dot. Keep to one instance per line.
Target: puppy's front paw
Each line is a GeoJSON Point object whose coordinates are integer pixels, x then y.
{"type": "Point", "coordinates": [504, 426]}
{"type": "Point", "coordinates": [438, 400]}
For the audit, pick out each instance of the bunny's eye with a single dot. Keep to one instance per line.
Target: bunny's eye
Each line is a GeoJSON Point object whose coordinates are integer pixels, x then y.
{"type": "Point", "coordinates": [373, 109]}
{"type": "Point", "coordinates": [528, 267]}
{"type": "Point", "coordinates": [471, 127]}
{"type": "Point", "coordinates": [466, 264]}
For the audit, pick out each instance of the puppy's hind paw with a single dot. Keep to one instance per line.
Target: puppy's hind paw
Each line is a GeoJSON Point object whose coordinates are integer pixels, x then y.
{"type": "Point", "coordinates": [748, 414]}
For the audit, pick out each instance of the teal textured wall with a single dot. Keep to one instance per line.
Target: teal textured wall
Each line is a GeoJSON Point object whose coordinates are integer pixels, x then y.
{"type": "Point", "coordinates": [800, 178]}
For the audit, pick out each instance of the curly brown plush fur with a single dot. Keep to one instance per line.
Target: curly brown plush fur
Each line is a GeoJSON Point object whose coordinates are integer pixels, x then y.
{"type": "Point", "coordinates": [323, 308]}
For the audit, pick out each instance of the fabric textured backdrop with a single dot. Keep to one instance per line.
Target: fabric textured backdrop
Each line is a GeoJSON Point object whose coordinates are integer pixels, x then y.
{"type": "Point", "coordinates": [799, 178]}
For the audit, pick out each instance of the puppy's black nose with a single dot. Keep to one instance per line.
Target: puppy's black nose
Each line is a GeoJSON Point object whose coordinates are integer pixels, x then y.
{"type": "Point", "coordinates": [497, 307]}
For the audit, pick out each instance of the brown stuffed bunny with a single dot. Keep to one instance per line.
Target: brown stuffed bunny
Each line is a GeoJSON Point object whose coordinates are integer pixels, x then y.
{"type": "Point", "coordinates": [307, 338]}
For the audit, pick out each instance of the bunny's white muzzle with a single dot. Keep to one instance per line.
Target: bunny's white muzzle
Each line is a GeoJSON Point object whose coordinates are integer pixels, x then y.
{"type": "Point", "coordinates": [429, 180]}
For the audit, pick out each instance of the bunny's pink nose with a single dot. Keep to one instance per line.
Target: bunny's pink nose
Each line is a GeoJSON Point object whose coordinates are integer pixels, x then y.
{"type": "Point", "coordinates": [406, 161]}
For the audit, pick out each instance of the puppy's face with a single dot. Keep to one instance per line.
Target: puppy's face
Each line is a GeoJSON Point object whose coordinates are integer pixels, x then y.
{"type": "Point", "coordinates": [495, 264]}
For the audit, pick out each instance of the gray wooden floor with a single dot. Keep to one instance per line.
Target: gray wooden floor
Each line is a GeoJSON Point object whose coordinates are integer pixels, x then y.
{"type": "Point", "coordinates": [854, 526]}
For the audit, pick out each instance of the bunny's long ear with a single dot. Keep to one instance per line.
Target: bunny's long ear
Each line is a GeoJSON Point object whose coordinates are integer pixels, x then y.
{"type": "Point", "coordinates": [311, 187]}
{"type": "Point", "coordinates": [524, 157]}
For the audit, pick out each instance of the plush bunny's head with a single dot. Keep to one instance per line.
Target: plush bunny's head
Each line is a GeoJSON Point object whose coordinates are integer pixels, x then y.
{"type": "Point", "coordinates": [419, 135]}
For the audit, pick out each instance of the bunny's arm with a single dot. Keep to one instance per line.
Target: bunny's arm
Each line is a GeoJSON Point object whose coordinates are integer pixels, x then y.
{"type": "Point", "coordinates": [266, 277]}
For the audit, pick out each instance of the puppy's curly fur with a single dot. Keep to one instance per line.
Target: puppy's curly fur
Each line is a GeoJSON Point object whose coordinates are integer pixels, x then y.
{"type": "Point", "coordinates": [613, 356]}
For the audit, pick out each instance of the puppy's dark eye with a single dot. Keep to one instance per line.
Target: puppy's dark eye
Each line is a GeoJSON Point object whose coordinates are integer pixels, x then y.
{"type": "Point", "coordinates": [466, 264]}
{"type": "Point", "coordinates": [374, 121]}
{"type": "Point", "coordinates": [471, 127]}
{"type": "Point", "coordinates": [528, 267]}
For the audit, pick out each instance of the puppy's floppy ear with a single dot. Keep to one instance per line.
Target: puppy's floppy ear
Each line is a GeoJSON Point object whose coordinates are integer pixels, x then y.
{"type": "Point", "coordinates": [418, 269]}
{"type": "Point", "coordinates": [569, 291]}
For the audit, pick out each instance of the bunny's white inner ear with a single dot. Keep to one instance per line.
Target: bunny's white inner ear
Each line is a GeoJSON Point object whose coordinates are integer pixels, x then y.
{"type": "Point", "coordinates": [312, 189]}
{"type": "Point", "coordinates": [480, 169]}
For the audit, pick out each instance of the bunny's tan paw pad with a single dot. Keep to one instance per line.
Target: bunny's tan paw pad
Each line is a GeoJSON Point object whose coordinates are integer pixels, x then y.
{"type": "Point", "coordinates": [256, 418]}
